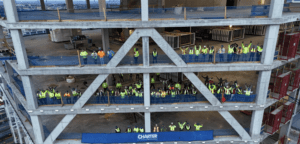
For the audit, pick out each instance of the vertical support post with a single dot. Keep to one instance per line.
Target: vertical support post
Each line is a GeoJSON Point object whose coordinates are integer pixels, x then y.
{"type": "Point", "coordinates": [145, 11]}
{"type": "Point", "coordinates": [43, 7]}
{"type": "Point", "coordinates": [70, 7]}
{"type": "Point", "coordinates": [88, 4]}
{"type": "Point", "coordinates": [9, 70]}
{"type": "Point", "coordinates": [102, 5]}
{"type": "Point", "coordinates": [148, 122]}
{"type": "Point", "coordinates": [146, 80]}
{"type": "Point", "coordinates": [264, 76]}
{"type": "Point", "coordinates": [38, 129]}
{"type": "Point", "coordinates": [124, 4]}
{"type": "Point", "coordinates": [159, 3]}
{"type": "Point", "coordinates": [1, 34]}
{"type": "Point", "coordinates": [105, 39]}
{"type": "Point", "coordinates": [11, 11]}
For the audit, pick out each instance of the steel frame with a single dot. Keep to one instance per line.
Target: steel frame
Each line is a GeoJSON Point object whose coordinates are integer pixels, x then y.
{"type": "Point", "coordinates": [275, 18]}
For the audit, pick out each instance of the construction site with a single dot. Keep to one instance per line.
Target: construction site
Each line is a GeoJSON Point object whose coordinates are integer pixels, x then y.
{"type": "Point", "coordinates": [150, 71]}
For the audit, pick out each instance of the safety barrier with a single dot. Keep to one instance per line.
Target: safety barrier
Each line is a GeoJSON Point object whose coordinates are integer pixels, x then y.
{"type": "Point", "coordinates": [236, 97]}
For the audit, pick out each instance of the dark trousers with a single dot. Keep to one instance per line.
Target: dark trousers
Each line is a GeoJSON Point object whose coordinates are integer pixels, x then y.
{"type": "Point", "coordinates": [154, 59]}
{"type": "Point", "coordinates": [136, 60]}
{"type": "Point", "coordinates": [85, 60]}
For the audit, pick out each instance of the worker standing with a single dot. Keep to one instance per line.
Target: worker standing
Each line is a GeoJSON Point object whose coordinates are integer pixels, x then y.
{"type": "Point", "coordinates": [239, 53]}
{"type": "Point", "coordinates": [101, 55]}
{"type": "Point", "coordinates": [204, 52]}
{"type": "Point", "coordinates": [173, 96]}
{"type": "Point", "coordinates": [117, 130]}
{"type": "Point", "coordinates": [259, 51]}
{"type": "Point", "coordinates": [58, 97]}
{"type": "Point", "coordinates": [178, 85]}
{"type": "Point", "coordinates": [152, 82]}
{"type": "Point", "coordinates": [191, 54]}
{"type": "Point", "coordinates": [221, 53]}
{"type": "Point", "coordinates": [110, 53]}
{"type": "Point", "coordinates": [128, 130]}
{"type": "Point", "coordinates": [84, 54]}
{"type": "Point", "coordinates": [136, 55]}
{"type": "Point", "coordinates": [181, 125]}
{"type": "Point", "coordinates": [246, 49]}
{"type": "Point", "coordinates": [172, 127]}
{"type": "Point", "coordinates": [211, 89]}
{"type": "Point", "coordinates": [197, 53]}
{"type": "Point", "coordinates": [104, 86]}
{"type": "Point", "coordinates": [74, 93]}
{"type": "Point", "coordinates": [252, 53]}
{"type": "Point", "coordinates": [51, 97]}
{"type": "Point", "coordinates": [187, 127]}
{"type": "Point", "coordinates": [211, 54]}
{"type": "Point", "coordinates": [230, 53]}
{"type": "Point", "coordinates": [198, 126]}
{"type": "Point", "coordinates": [138, 86]}
{"type": "Point", "coordinates": [118, 86]}
{"type": "Point", "coordinates": [112, 96]}
{"type": "Point", "coordinates": [248, 91]}
{"type": "Point", "coordinates": [154, 56]}
{"type": "Point", "coordinates": [136, 129]}
{"type": "Point", "coordinates": [142, 130]}
{"type": "Point", "coordinates": [184, 53]}
{"type": "Point", "coordinates": [156, 128]}
{"type": "Point", "coordinates": [94, 56]}
{"type": "Point", "coordinates": [141, 96]}
{"type": "Point", "coordinates": [40, 97]}
{"type": "Point", "coordinates": [122, 97]}
{"type": "Point", "coordinates": [67, 95]}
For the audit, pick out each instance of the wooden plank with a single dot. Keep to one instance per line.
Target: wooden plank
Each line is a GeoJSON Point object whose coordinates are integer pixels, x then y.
{"type": "Point", "coordinates": [184, 13]}
{"type": "Point", "coordinates": [59, 19]}
{"type": "Point", "coordinates": [225, 13]}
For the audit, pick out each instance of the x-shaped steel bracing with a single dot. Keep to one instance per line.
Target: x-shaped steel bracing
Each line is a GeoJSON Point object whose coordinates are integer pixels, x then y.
{"type": "Point", "coordinates": [168, 50]}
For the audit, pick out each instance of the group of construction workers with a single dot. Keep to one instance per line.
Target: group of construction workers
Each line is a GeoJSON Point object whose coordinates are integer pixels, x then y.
{"type": "Point", "coordinates": [234, 53]}
{"type": "Point", "coordinates": [52, 96]}
{"type": "Point", "coordinates": [94, 55]}
{"type": "Point", "coordinates": [182, 126]}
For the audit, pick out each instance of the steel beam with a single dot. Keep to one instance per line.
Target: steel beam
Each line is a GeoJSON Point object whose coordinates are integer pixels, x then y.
{"type": "Point", "coordinates": [291, 17]}
{"type": "Point", "coordinates": [147, 122]}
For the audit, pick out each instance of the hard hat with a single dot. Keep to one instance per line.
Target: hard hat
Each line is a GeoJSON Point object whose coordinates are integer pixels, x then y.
{"type": "Point", "coordinates": [135, 126]}
{"type": "Point", "coordinates": [197, 123]}
{"type": "Point", "coordinates": [129, 126]}
{"type": "Point", "coordinates": [137, 49]}
{"type": "Point", "coordinates": [204, 46]}
{"type": "Point", "coordinates": [240, 47]}
{"type": "Point", "coordinates": [171, 123]}
{"type": "Point", "coordinates": [99, 48]}
{"type": "Point", "coordinates": [187, 123]}
{"type": "Point", "coordinates": [222, 46]}
{"type": "Point", "coordinates": [116, 126]}
{"type": "Point", "coordinates": [212, 46]}
{"type": "Point", "coordinates": [154, 49]}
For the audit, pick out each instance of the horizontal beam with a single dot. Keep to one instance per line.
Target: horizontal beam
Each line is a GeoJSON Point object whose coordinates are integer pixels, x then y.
{"type": "Point", "coordinates": [150, 24]}
{"type": "Point", "coordinates": [96, 109]}
{"type": "Point", "coordinates": [75, 70]}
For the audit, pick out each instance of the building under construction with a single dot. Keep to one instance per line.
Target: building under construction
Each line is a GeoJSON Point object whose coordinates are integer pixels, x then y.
{"type": "Point", "coordinates": [150, 71]}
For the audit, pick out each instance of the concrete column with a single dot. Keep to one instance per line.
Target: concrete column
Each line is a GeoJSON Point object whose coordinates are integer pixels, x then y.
{"type": "Point", "coordinates": [2, 36]}
{"type": "Point", "coordinates": [30, 92]}
{"type": "Point", "coordinates": [43, 7]}
{"type": "Point", "coordinates": [264, 76]}
{"type": "Point", "coordinates": [159, 3]}
{"type": "Point", "coordinates": [11, 11]}
{"type": "Point", "coordinates": [102, 6]}
{"type": "Point", "coordinates": [148, 122]}
{"type": "Point", "coordinates": [105, 39]}
{"type": "Point", "coordinates": [20, 50]}
{"type": "Point", "coordinates": [38, 129]}
{"type": "Point", "coordinates": [145, 11]}
{"type": "Point", "coordinates": [146, 51]}
{"type": "Point", "coordinates": [88, 4]}
{"type": "Point", "coordinates": [70, 7]}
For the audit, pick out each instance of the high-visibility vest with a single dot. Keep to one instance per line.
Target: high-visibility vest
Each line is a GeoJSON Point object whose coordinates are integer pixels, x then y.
{"type": "Point", "coordinates": [126, 91]}
{"type": "Point", "coordinates": [153, 94]}
{"type": "Point", "coordinates": [163, 94]}
{"type": "Point", "coordinates": [117, 130]}
{"type": "Point", "coordinates": [173, 93]}
{"type": "Point", "coordinates": [138, 86]}
{"type": "Point", "coordinates": [43, 95]}
{"type": "Point", "coordinates": [136, 94]}
{"type": "Point", "coordinates": [140, 94]}
{"type": "Point", "coordinates": [211, 90]}
{"type": "Point", "coordinates": [239, 91]}
{"type": "Point", "coordinates": [227, 91]}
{"type": "Point", "coordinates": [141, 130]}
{"type": "Point", "coordinates": [74, 93]}
{"type": "Point", "coordinates": [154, 53]}
{"type": "Point", "coordinates": [152, 80]}
{"type": "Point", "coordinates": [104, 85]}
{"type": "Point", "coordinates": [83, 54]}
{"type": "Point", "coordinates": [136, 130]}
{"type": "Point", "coordinates": [157, 94]}
{"type": "Point", "coordinates": [51, 94]}
{"type": "Point", "coordinates": [183, 50]}
{"type": "Point", "coordinates": [119, 85]}
{"type": "Point", "coordinates": [172, 127]}
{"type": "Point", "coordinates": [252, 50]}
{"type": "Point", "coordinates": [204, 50]}
{"type": "Point", "coordinates": [259, 49]}
{"type": "Point", "coordinates": [198, 127]}
{"type": "Point", "coordinates": [136, 54]}
{"type": "Point", "coordinates": [197, 51]}
{"type": "Point", "coordinates": [129, 130]}
{"type": "Point", "coordinates": [191, 52]}
{"type": "Point", "coordinates": [122, 94]}
{"type": "Point", "coordinates": [39, 95]}
{"type": "Point", "coordinates": [211, 51]}
{"type": "Point", "coordinates": [67, 95]}
{"type": "Point", "coordinates": [230, 50]}
{"type": "Point", "coordinates": [133, 90]}
{"type": "Point", "coordinates": [219, 91]}
{"type": "Point", "coordinates": [58, 95]}
{"type": "Point", "coordinates": [188, 127]}
{"type": "Point", "coordinates": [248, 92]}
{"type": "Point", "coordinates": [130, 87]}
{"type": "Point", "coordinates": [181, 126]}
{"type": "Point", "coordinates": [178, 86]}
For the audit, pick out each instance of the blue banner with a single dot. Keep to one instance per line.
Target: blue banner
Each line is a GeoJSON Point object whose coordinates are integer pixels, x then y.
{"type": "Point", "coordinates": [147, 137]}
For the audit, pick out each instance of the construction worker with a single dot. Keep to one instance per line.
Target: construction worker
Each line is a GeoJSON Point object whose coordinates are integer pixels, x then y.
{"type": "Point", "coordinates": [173, 95]}
{"type": "Point", "coordinates": [136, 129]}
{"type": "Point", "coordinates": [102, 96]}
{"type": "Point", "coordinates": [128, 130]}
{"type": "Point", "coordinates": [198, 126]}
{"type": "Point", "coordinates": [51, 97]}
{"type": "Point", "coordinates": [152, 82]}
{"type": "Point", "coordinates": [252, 54]}
{"type": "Point", "coordinates": [154, 56]}
{"type": "Point", "coordinates": [197, 53]}
{"type": "Point", "coordinates": [191, 54]}
{"type": "Point", "coordinates": [121, 77]}
{"type": "Point", "coordinates": [204, 53]}
{"type": "Point", "coordinates": [138, 86]}
{"type": "Point", "coordinates": [172, 127]}
{"type": "Point", "coordinates": [155, 128]}
{"type": "Point", "coordinates": [67, 95]}
{"type": "Point", "coordinates": [118, 86]}
{"type": "Point", "coordinates": [178, 85]}
{"type": "Point", "coordinates": [117, 130]}
{"type": "Point", "coordinates": [181, 125]}
{"type": "Point", "coordinates": [163, 128]}
{"type": "Point", "coordinates": [141, 96]}
{"type": "Point", "coordinates": [221, 53]}
{"type": "Point", "coordinates": [142, 130]}
{"type": "Point", "coordinates": [248, 91]}
{"type": "Point", "coordinates": [112, 96]}
{"type": "Point", "coordinates": [94, 56]}
{"type": "Point", "coordinates": [136, 55]}
{"type": "Point", "coordinates": [101, 55]}
{"type": "Point", "coordinates": [40, 97]}
{"type": "Point", "coordinates": [84, 54]}
{"type": "Point", "coordinates": [105, 86]}
{"type": "Point", "coordinates": [239, 90]}
{"type": "Point", "coordinates": [110, 53]}
{"type": "Point", "coordinates": [74, 93]}
{"type": "Point", "coordinates": [122, 96]}
{"type": "Point", "coordinates": [211, 88]}
{"type": "Point", "coordinates": [157, 76]}
{"type": "Point", "coordinates": [239, 53]}
{"type": "Point", "coordinates": [58, 97]}
{"type": "Point", "coordinates": [246, 49]}
{"type": "Point", "coordinates": [211, 54]}
{"type": "Point", "coordinates": [187, 127]}
{"type": "Point", "coordinates": [230, 53]}
{"type": "Point", "coordinates": [259, 51]}
{"type": "Point", "coordinates": [227, 90]}
{"type": "Point", "coordinates": [183, 53]}
{"type": "Point", "coordinates": [163, 96]}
